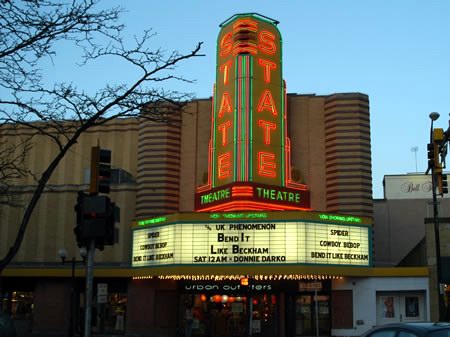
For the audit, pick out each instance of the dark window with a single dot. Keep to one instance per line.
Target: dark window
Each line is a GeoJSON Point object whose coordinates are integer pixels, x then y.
{"type": "Point", "coordinates": [119, 176]}
{"type": "Point", "coordinates": [342, 309]}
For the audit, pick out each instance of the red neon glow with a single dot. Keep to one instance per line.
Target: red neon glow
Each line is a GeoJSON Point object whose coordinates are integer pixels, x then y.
{"type": "Point", "coordinates": [239, 116]}
{"type": "Point", "coordinates": [242, 194]}
{"type": "Point", "coordinates": [245, 24]}
{"type": "Point", "coordinates": [266, 103]}
{"type": "Point", "coordinates": [225, 68]}
{"type": "Point", "coordinates": [243, 111]}
{"type": "Point", "coordinates": [266, 164]}
{"type": "Point", "coordinates": [223, 128]}
{"type": "Point", "coordinates": [242, 191]}
{"type": "Point", "coordinates": [245, 47]}
{"type": "Point", "coordinates": [287, 148]}
{"type": "Point", "coordinates": [289, 183]}
{"type": "Point", "coordinates": [242, 188]}
{"type": "Point", "coordinates": [268, 66]}
{"type": "Point", "coordinates": [267, 42]}
{"type": "Point", "coordinates": [224, 165]}
{"type": "Point", "coordinates": [243, 205]}
{"type": "Point", "coordinates": [226, 44]}
{"type": "Point", "coordinates": [208, 184]}
{"type": "Point", "coordinates": [225, 105]}
{"type": "Point", "coordinates": [247, 119]}
{"type": "Point", "coordinates": [267, 126]}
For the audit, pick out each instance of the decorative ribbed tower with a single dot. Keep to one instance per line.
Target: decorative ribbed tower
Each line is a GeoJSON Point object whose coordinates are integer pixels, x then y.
{"type": "Point", "coordinates": [158, 167]}
{"type": "Point", "coordinates": [249, 151]}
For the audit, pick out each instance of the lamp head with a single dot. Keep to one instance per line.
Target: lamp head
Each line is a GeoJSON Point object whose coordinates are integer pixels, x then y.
{"type": "Point", "coordinates": [434, 116]}
{"type": "Point", "coordinates": [62, 254]}
{"type": "Point", "coordinates": [83, 252]}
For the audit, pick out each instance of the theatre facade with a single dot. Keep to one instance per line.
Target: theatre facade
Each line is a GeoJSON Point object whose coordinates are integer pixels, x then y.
{"type": "Point", "coordinates": [255, 207]}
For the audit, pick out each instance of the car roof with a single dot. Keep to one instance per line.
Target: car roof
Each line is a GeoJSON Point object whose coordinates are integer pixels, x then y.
{"type": "Point", "coordinates": [416, 326]}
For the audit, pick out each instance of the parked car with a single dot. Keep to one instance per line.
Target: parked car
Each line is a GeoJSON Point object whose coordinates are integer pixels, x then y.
{"type": "Point", "coordinates": [419, 329]}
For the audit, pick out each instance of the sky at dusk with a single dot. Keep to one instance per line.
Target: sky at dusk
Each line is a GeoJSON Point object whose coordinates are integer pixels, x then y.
{"type": "Point", "coordinates": [396, 52]}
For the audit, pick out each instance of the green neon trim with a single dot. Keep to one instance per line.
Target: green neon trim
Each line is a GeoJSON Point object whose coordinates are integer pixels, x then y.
{"type": "Point", "coordinates": [256, 215]}
{"type": "Point", "coordinates": [250, 121]}
{"type": "Point", "coordinates": [341, 218]}
{"type": "Point", "coordinates": [243, 113]}
{"type": "Point", "coordinates": [235, 119]}
{"type": "Point", "coordinates": [283, 145]}
{"type": "Point", "coordinates": [283, 104]}
{"type": "Point", "coordinates": [152, 221]}
{"type": "Point", "coordinates": [213, 155]}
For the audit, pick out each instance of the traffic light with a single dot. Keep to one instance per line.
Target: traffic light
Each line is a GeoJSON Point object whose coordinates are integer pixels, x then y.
{"type": "Point", "coordinates": [92, 216]}
{"type": "Point", "coordinates": [100, 170]}
{"type": "Point", "coordinates": [431, 155]}
{"type": "Point", "coordinates": [112, 233]}
{"type": "Point", "coordinates": [81, 242]}
{"type": "Point", "coordinates": [442, 183]}
{"type": "Point", "coordinates": [438, 138]}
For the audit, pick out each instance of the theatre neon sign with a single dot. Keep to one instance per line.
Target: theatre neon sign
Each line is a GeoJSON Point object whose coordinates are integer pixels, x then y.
{"type": "Point", "coordinates": [249, 151]}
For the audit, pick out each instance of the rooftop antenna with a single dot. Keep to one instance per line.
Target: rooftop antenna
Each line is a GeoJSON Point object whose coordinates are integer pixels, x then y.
{"type": "Point", "coordinates": [415, 149]}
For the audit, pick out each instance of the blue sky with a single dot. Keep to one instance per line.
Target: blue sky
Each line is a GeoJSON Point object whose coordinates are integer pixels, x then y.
{"type": "Point", "coordinates": [397, 52]}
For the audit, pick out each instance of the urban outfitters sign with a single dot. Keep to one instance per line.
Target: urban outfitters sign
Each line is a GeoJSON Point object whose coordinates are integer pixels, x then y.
{"type": "Point", "coordinates": [287, 242]}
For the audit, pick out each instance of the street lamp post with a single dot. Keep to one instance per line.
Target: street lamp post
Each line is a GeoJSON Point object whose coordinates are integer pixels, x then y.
{"type": "Point", "coordinates": [434, 116]}
{"type": "Point", "coordinates": [63, 255]}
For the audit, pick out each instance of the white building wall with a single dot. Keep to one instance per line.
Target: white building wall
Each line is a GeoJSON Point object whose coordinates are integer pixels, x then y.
{"type": "Point", "coordinates": [365, 298]}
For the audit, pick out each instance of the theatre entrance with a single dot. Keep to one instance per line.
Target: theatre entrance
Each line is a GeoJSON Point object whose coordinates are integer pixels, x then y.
{"type": "Point", "coordinates": [227, 314]}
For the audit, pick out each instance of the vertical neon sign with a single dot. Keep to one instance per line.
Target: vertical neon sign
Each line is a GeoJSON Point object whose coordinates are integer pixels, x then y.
{"type": "Point", "coordinates": [249, 144]}
{"type": "Point", "coordinates": [248, 139]}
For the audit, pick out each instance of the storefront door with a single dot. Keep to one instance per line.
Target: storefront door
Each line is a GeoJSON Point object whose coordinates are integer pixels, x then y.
{"type": "Point", "coordinates": [226, 315]}
{"type": "Point", "coordinates": [312, 315]}
{"type": "Point", "coordinates": [395, 307]}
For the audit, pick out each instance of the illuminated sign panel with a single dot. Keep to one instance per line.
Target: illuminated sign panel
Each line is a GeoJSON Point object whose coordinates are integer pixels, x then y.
{"type": "Point", "coordinates": [261, 242]}
{"type": "Point", "coordinates": [267, 196]}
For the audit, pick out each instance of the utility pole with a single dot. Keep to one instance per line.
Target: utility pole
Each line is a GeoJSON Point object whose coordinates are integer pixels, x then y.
{"type": "Point", "coordinates": [438, 141]}
{"type": "Point", "coordinates": [96, 216]}
{"type": "Point", "coordinates": [89, 289]}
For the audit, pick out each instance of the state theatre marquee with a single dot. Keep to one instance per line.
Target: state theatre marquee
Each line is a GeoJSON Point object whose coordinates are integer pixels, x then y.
{"type": "Point", "coordinates": [254, 242]}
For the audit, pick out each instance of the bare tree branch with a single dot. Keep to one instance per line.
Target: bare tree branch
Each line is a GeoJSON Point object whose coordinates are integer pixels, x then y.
{"type": "Point", "coordinates": [30, 31]}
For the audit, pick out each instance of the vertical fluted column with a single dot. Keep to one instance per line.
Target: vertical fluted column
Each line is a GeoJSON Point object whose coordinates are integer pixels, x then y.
{"type": "Point", "coordinates": [158, 169]}
{"type": "Point", "coordinates": [348, 154]}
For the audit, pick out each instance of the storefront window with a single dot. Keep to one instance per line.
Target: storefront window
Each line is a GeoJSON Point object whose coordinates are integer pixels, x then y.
{"type": "Point", "coordinates": [21, 305]}
{"type": "Point", "coordinates": [226, 315]}
{"type": "Point", "coordinates": [312, 315]}
{"type": "Point", "coordinates": [115, 312]}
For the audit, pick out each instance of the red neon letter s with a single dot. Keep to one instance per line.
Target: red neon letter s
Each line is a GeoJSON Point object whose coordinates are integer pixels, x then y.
{"type": "Point", "coordinates": [224, 165]}
{"type": "Point", "coordinates": [226, 44]}
{"type": "Point", "coordinates": [267, 42]}
{"type": "Point", "coordinates": [266, 165]}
